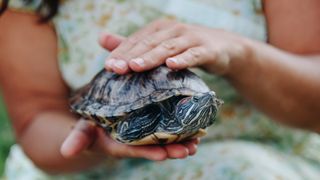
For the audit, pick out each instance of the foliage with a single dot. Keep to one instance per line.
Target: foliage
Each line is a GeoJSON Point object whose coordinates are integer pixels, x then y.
{"type": "Point", "coordinates": [6, 136]}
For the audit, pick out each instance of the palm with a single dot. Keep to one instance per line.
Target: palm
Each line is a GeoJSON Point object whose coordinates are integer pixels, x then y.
{"type": "Point", "coordinates": [86, 136]}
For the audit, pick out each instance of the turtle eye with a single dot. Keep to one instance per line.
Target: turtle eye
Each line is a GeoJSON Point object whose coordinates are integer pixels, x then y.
{"type": "Point", "coordinates": [195, 99]}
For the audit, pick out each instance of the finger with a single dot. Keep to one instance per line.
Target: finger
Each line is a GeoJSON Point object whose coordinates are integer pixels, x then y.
{"type": "Point", "coordinates": [192, 147]}
{"type": "Point", "coordinates": [176, 151]}
{"type": "Point", "coordinates": [192, 57]}
{"type": "Point", "coordinates": [155, 153]}
{"type": "Point", "coordinates": [159, 54]}
{"type": "Point", "coordinates": [117, 149]}
{"type": "Point", "coordinates": [80, 138]}
{"type": "Point", "coordinates": [120, 52]}
{"type": "Point", "coordinates": [110, 41]}
{"type": "Point", "coordinates": [108, 64]}
{"type": "Point", "coordinates": [196, 140]}
{"type": "Point", "coordinates": [117, 65]}
{"type": "Point", "coordinates": [151, 41]}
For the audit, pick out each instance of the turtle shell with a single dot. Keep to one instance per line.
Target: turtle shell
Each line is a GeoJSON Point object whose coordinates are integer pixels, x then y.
{"type": "Point", "coordinates": [112, 95]}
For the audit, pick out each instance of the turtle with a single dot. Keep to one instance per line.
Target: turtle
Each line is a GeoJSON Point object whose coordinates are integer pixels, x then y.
{"type": "Point", "coordinates": [159, 106]}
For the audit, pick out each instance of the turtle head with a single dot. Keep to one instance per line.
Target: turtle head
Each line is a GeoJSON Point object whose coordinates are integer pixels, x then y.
{"type": "Point", "coordinates": [197, 111]}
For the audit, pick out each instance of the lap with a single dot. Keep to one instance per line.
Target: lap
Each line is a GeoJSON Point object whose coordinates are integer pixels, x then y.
{"type": "Point", "coordinates": [232, 159]}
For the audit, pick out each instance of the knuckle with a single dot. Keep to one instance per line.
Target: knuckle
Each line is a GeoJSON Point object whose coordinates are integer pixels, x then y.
{"type": "Point", "coordinates": [149, 42]}
{"type": "Point", "coordinates": [160, 23]}
{"type": "Point", "coordinates": [132, 40]}
{"type": "Point", "coordinates": [195, 53]}
{"type": "Point", "coordinates": [147, 59]}
{"type": "Point", "coordinates": [118, 55]}
{"type": "Point", "coordinates": [180, 27]}
{"type": "Point", "coordinates": [169, 45]}
{"type": "Point", "coordinates": [151, 60]}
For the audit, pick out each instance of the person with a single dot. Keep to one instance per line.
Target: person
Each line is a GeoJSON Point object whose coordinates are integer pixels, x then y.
{"type": "Point", "coordinates": [278, 81]}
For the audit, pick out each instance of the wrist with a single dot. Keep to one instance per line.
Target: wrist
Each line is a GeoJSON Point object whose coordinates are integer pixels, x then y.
{"type": "Point", "coordinates": [241, 59]}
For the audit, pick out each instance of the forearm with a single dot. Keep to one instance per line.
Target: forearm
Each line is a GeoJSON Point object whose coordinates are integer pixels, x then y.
{"type": "Point", "coordinates": [283, 85]}
{"type": "Point", "coordinates": [42, 140]}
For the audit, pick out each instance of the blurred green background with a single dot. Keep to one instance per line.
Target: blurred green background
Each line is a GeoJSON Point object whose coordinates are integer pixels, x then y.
{"type": "Point", "coordinates": [6, 136]}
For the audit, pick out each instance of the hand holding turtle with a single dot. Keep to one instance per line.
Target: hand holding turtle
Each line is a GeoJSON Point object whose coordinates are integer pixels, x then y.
{"type": "Point", "coordinates": [86, 137]}
{"type": "Point", "coordinates": [85, 134]}
{"type": "Point", "coordinates": [177, 45]}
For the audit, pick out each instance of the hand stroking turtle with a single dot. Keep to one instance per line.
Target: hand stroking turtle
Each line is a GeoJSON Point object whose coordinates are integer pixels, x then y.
{"type": "Point", "coordinates": [159, 106]}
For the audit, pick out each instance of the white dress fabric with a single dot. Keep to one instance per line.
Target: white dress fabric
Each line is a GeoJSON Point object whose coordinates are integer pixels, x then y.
{"type": "Point", "coordinates": [243, 144]}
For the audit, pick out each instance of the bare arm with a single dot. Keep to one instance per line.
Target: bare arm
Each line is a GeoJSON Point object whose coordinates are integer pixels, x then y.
{"type": "Point", "coordinates": [34, 92]}
{"type": "Point", "coordinates": [283, 85]}
{"type": "Point", "coordinates": [283, 80]}
{"type": "Point", "coordinates": [36, 98]}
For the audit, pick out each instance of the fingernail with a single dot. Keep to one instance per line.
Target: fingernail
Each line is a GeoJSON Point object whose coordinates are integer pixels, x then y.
{"type": "Point", "coordinates": [108, 63]}
{"type": "Point", "coordinates": [120, 64]}
{"type": "Point", "coordinates": [68, 146]}
{"type": "Point", "coordinates": [138, 61]}
{"type": "Point", "coordinates": [173, 60]}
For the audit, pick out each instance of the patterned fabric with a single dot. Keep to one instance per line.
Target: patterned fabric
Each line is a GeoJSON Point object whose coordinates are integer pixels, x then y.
{"type": "Point", "coordinates": [244, 144]}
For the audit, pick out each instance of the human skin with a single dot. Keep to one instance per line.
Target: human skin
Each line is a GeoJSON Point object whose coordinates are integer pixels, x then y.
{"type": "Point", "coordinates": [281, 79]}
{"type": "Point", "coordinates": [39, 110]}
{"type": "Point", "coordinates": [37, 102]}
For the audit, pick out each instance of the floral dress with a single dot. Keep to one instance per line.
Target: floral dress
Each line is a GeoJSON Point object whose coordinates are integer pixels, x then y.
{"type": "Point", "coordinates": [243, 144]}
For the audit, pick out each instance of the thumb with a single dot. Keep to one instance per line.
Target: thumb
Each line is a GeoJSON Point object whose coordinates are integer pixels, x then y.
{"type": "Point", "coordinates": [79, 139]}
{"type": "Point", "coordinates": [110, 41]}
